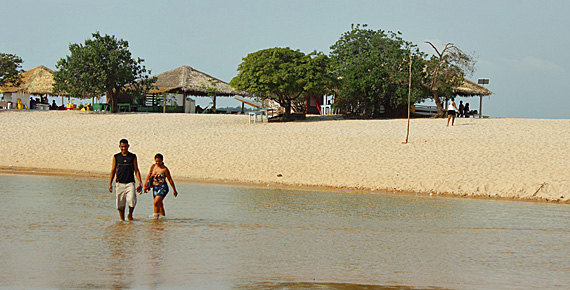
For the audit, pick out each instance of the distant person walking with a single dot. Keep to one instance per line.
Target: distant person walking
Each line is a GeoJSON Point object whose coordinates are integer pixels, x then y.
{"type": "Point", "coordinates": [156, 179]}
{"type": "Point", "coordinates": [125, 168]}
{"type": "Point", "coordinates": [451, 111]}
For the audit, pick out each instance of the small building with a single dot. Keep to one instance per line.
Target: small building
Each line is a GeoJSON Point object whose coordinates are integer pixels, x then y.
{"type": "Point", "coordinates": [36, 83]}
{"type": "Point", "coordinates": [180, 83]}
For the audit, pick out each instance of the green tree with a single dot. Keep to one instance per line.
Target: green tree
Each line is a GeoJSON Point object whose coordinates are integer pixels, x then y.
{"type": "Point", "coordinates": [103, 65]}
{"type": "Point", "coordinates": [283, 75]}
{"type": "Point", "coordinates": [167, 99]}
{"type": "Point", "coordinates": [373, 68]}
{"type": "Point", "coordinates": [211, 92]}
{"type": "Point", "coordinates": [447, 69]}
{"type": "Point", "coordinates": [10, 70]}
{"type": "Point", "coordinates": [320, 79]}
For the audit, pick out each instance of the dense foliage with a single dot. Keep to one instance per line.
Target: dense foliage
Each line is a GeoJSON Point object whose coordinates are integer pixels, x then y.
{"type": "Point", "coordinates": [10, 69]}
{"type": "Point", "coordinates": [284, 75]}
{"type": "Point", "coordinates": [373, 66]}
{"type": "Point", "coordinates": [103, 65]}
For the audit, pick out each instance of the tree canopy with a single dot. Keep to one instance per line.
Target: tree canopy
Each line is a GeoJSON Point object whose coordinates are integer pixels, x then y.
{"type": "Point", "coordinates": [102, 65]}
{"type": "Point", "coordinates": [10, 69]}
{"type": "Point", "coordinates": [373, 66]}
{"type": "Point", "coordinates": [284, 75]}
{"type": "Point", "coordinates": [447, 69]}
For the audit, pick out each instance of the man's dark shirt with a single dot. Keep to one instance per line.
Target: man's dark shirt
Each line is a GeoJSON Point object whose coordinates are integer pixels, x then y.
{"type": "Point", "coordinates": [125, 167]}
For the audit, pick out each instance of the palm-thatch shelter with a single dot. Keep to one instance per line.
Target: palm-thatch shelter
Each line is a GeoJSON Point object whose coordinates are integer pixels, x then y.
{"type": "Point", "coordinates": [191, 82]}
{"type": "Point", "coordinates": [37, 81]}
{"type": "Point", "coordinates": [470, 89]}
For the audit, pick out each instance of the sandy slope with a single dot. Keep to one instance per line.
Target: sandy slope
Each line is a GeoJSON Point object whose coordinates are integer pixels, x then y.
{"type": "Point", "coordinates": [511, 158]}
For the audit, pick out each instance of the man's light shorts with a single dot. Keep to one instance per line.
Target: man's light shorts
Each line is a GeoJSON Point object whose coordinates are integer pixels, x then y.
{"type": "Point", "coordinates": [126, 194]}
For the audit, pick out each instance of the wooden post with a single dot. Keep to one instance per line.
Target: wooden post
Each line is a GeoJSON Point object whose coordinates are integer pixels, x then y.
{"type": "Point", "coordinates": [184, 102]}
{"type": "Point", "coordinates": [409, 98]}
{"type": "Point", "coordinates": [480, 107]}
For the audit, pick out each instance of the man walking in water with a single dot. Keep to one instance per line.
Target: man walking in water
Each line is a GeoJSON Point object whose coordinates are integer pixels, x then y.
{"type": "Point", "coordinates": [125, 167]}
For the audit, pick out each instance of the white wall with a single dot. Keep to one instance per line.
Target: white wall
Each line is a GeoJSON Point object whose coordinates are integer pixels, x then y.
{"type": "Point", "coordinates": [13, 97]}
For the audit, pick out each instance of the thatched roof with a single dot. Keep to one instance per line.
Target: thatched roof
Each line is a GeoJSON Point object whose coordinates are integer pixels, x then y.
{"type": "Point", "coordinates": [470, 88]}
{"type": "Point", "coordinates": [37, 81]}
{"type": "Point", "coordinates": [186, 79]}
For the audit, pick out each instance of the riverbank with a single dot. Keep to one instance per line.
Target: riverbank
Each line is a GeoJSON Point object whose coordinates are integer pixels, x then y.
{"type": "Point", "coordinates": [522, 159]}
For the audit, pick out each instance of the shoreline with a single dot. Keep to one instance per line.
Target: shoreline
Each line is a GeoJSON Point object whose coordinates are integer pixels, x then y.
{"type": "Point", "coordinates": [84, 174]}
{"type": "Point", "coordinates": [506, 159]}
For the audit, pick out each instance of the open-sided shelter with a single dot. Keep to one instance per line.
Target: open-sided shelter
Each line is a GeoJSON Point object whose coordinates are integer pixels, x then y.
{"type": "Point", "coordinates": [188, 81]}
{"type": "Point", "coordinates": [37, 81]}
{"type": "Point", "coordinates": [470, 89]}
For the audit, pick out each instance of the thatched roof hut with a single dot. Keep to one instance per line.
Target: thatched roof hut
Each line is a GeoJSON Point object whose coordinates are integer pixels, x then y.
{"type": "Point", "coordinates": [470, 89]}
{"type": "Point", "coordinates": [190, 81]}
{"type": "Point", "coordinates": [37, 81]}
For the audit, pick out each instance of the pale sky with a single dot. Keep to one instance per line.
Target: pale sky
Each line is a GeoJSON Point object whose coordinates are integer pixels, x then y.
{"type": "Point", "coordinates": [522, 46]}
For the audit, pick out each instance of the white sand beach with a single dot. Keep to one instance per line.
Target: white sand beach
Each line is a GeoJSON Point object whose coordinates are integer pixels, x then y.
{"type": "Point", "coordinates": [523, 159]}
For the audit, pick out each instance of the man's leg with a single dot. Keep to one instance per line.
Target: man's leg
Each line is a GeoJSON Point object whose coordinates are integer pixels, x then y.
{"type": "Point", "coordinates": [122, 213]}
{"type": "Point", "coordinates": [131, 210]}
{"type": "Point", "coordinates": [120, 200]}
{"type": "Point", "coordinates": [131, 199]}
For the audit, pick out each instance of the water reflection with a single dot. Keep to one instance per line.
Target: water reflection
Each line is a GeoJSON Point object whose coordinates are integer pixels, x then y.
{"type": "Point", "coordinates": [155, 234]}
{"type": "Point", "coordinates": [136, 253]}
{"type": "Point", "coordinates": [62, 233]}
{"type": "Point", "coordinates": [122, 247]}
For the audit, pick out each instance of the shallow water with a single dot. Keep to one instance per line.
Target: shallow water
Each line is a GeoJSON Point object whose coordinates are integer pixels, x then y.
{"type": "Point", "coordinates": [64, 233]}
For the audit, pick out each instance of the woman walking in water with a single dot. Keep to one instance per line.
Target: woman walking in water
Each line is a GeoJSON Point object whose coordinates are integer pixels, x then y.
{"type": "Point", "coordinates": [156, 179]}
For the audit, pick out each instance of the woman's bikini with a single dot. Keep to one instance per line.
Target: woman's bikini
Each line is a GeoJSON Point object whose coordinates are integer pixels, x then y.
{"type": "Point", "coordinates": [160, 187]}
{"type": "Point", "coordinates": [159, 178]}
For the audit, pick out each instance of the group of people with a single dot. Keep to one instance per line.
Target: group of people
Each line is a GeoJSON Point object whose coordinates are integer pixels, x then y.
{"type": "Point", "coordinates": [453, 111]}
{"type": "Point", "coordinates": [40, 100]}
{"type": "Point", "coordinates": [124, 170]}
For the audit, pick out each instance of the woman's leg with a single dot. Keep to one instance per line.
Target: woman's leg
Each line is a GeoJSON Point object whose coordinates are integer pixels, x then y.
{"type": "Point", "coordinates": [162, 211]}
{"type": "Point", "coordinates": [158, 206]}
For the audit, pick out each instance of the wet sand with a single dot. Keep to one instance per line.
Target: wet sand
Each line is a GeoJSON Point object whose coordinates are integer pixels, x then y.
{"type": "Point", "coordinates": [523, 159]}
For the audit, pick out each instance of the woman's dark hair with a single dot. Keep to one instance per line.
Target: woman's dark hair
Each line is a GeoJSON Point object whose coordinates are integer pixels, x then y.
{"type": "Point", "coordinates": [159, 156]}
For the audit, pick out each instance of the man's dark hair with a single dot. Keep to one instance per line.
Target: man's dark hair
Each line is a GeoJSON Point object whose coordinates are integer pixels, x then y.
{"type": "Point", "coordinates": [124, 141]}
